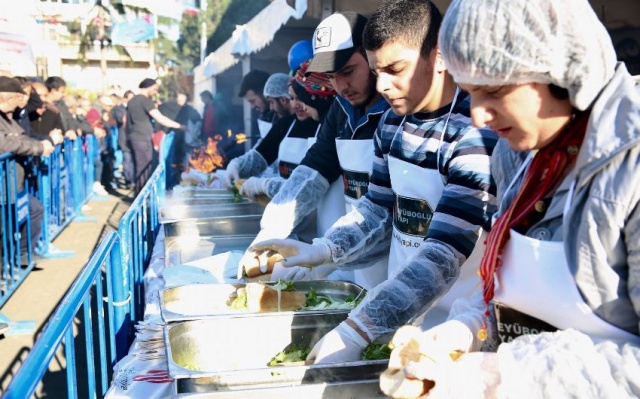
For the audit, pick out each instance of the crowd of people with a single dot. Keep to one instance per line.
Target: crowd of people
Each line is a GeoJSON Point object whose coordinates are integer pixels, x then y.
{"type": "Point", "coordinates": [37, 115]}
{"type": "Point", "coordinates": [477, 173]}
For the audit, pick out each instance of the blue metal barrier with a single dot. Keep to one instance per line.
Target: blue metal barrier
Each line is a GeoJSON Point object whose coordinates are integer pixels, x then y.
{"type": "Point", "coordinates": [62, 195]}
{"type": "Point", "coordinates": [53, 190]}
{"type": "Point", "coordinates": [138, 230]}
{"type": "Point", "coordinates": [59, 330]}
{"type": "Point", "coordinates": [14, 214]}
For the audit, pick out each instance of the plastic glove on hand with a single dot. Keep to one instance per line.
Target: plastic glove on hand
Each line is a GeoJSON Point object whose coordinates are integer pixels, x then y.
{"type": "Point", "coordinates": [294, 273]}
{"type": "Point", "coordinates": [231, 174]}
{"type": "Point", "coordinates": [253, 187]}
{"type": "Point", "coordinates": [296, 253]}
{"type": "Point", "coordinates": [257, 263]}
{"type": "Point", "coordinates": [342, 344]}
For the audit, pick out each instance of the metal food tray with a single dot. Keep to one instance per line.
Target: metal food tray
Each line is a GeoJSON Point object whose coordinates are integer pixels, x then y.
{"type": "Point", "coordinates": [232, 353]}
{"type": "Point", "coordinates": [369, 389]}
{"type": "Point", "coordinates": [180, 250]}
{"type": "Point", "coordinates": [200, 192]}
{"type": "Point", "coordinates": [226, 199]}
{"type": "Point", "coordinates": [238, 225]}
{"type": "Point", "coordinates": [197, 301]}
{"type": "Point", "coordinates": [185, 212]}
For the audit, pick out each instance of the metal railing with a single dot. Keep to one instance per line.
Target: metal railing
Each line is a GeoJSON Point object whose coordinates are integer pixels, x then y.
{"type": "Point", "coordinates": [61, 193]}
{"type": "Point", "coordinates": [14, 218]}
{"type": "Point", "coordinates": [117, 266]}
{"type": "Point", "coordinates": [138, 229]}
{"type": "Point", "coordinates": [85, 296]}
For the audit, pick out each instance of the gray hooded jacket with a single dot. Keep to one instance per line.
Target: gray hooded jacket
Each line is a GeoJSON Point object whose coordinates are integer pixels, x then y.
{"type": "Point", "coordinates": [602, 246]}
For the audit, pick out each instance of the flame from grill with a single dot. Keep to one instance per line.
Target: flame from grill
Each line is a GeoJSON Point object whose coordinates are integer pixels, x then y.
{"type": "Point", "coordinates": [207, 160]}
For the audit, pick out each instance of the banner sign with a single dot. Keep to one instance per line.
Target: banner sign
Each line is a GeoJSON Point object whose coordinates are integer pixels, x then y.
{"type": "Point", "coordinates": [16, 56]}
{"type": "Point", "coordinates": [135, 30]}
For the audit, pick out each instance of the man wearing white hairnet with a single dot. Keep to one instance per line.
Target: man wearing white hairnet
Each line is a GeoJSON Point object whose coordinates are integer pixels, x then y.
{"type": "Point", "coordinates": [344, 144]}
{"type": "Point", "coordinates": [561, 270]}
{"type": "Point", "coordinates": [289, 126]}
{"type": "Point", "coordinates": [430, 182]}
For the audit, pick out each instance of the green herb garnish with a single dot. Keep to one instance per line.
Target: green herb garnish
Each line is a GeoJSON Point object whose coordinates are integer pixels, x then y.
{"type": "Point", "coordinates": [240, 302]}
{"type": "Point", "coordinates": [236, 193]}
{"type": "Point", "coordinates": [283, 285]}
{"type": "Point", "coordinates": [291, 355]}
{"type": "Point", "coordinates": [376, 352]}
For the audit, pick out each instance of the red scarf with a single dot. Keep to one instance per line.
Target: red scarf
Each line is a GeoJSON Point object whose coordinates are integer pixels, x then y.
{"type": "Point", "coordinates": [546, 172]}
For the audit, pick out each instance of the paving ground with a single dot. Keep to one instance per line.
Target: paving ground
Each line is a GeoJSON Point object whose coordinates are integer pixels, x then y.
{"type": "Point", "coordinates": [45, 286]}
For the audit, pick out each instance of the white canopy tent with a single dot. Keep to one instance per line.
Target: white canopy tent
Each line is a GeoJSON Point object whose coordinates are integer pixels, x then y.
{"type": "Point", "coordinates": [246, 40]}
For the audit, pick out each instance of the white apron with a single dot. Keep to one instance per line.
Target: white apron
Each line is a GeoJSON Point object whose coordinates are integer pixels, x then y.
{"type": "Point", "coordinates": [330, 208]}
{"type": "Point", "coordinates": [290, 153]}
{"type": "Point", "coordinates": [417, 192]}
{"type": "Point", "coordinates": [535, 291]}
{"type": "Point", "coordinates": [264, 127]}
{"type": "Point", "coordinates": [356, 161]}
{"type": "Point", "coordinates": [412, 212]}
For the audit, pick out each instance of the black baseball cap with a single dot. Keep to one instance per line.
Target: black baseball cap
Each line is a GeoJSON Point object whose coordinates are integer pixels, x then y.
{"type": "Point", "coordinates": [10, 85]}
{"type": "Point", "coordinates": [335, 40]}
{"type": "Point", "coordinates": [148, 82]}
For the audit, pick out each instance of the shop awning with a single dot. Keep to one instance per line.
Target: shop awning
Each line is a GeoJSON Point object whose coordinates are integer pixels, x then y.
{"type": "Point", "coordinates": [252, 36]}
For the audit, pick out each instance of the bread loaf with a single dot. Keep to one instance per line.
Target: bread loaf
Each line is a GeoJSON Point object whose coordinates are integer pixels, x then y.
{"type": "Point", "coordinates": [395, 384]}
{"type": "Point", "coordinates": [263, 264]}
{"type": "Point", "coordinates": [263, 298]}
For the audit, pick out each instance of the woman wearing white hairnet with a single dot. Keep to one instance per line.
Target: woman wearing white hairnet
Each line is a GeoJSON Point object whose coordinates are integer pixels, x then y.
{"type": "Point", "coordinates": [289, 133]}
{"type": "Point", "coordinates": [312, 95]}
{"type": "Point", "coordinates": [561, 272]}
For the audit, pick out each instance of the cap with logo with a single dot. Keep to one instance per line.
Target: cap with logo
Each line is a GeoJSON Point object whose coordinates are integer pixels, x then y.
{"type": "Point", "coordinates": [335, 40]}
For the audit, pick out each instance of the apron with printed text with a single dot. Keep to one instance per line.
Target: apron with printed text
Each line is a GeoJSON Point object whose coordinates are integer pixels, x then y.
{"type": "Point", "coordinates": [356, 161]}
{"type": "Point", "coordinates": [536, 291]}
{"type": "Point", "coordinates": [290, 153]}
{"type": "Point", "coordinates": [330, 208]}
{"type": "Point", "coordinates": [417, 192]}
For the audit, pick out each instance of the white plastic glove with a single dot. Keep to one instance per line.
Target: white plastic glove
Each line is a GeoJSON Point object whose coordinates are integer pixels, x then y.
{"type": "Point", "coordinates": [253, 187]}
{"type": "Point", "coordinates": [294, 273]}
{"type": "Point", "coordinates": [296, 253]}
{"type": "Point", "coordinates": [342, 344]}
{"type": "Point", "coordinates": [232, 174]}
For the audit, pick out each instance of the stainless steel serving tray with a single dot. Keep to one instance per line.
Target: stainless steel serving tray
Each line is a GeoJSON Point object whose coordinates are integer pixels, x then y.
{"type": "Point", "coordinates": [186, 212]}
{"type": "Point", "coordinates": [232, 353]}
{"type": "Point", "coordinates": [199, 192]}
{"type": "Point", "coordinates": [179, 201]}
{"type": "Point", "coordinates": [369, 388]}
{"type": "Point", "coordinates": [181, 250]}
{"type": "Point", "coordinates": [197, 301]}
{"type": "Point", "coordinates": [236, 225]}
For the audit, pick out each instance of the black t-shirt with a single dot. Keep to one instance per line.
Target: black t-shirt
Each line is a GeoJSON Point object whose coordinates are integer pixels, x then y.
{"type": "Point", "coordinates": [139, 127]}
{"type": "Point", "coordinates": [270, 145]}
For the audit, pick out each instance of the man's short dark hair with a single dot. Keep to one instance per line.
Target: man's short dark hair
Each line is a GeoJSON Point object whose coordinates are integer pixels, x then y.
{"type": "Point", "coordinates": [412, 22]}
{"type": "Point", "coordinates": [55, 83]}
{"type": "Point", "coordinates": [255, 81]}
{"type": "Point", "coordinates": [207, 94]}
